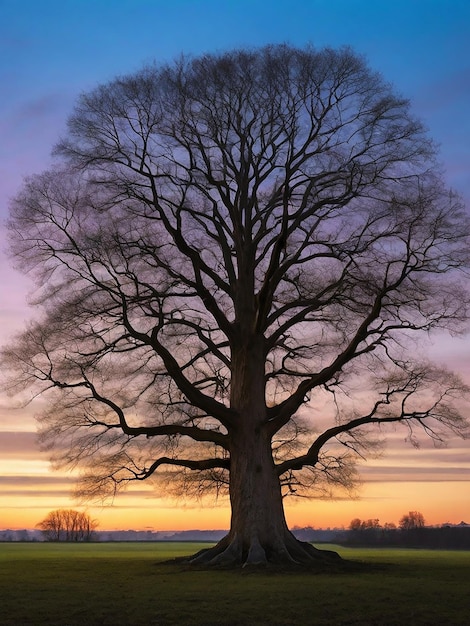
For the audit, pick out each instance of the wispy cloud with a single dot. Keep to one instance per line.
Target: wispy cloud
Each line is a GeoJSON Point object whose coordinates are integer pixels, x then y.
{"type": "Point", "coordinates": [18, 444]}
{"type": "Point", "coordinates": [35, 481]}
{"type": "Point", "coordinates": [412, 473]}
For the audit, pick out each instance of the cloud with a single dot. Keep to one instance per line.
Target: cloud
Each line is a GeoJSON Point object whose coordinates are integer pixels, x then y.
{"type": "Point", "coordinates": [33, 493]}
{"type": "Point", "coordinates": [18, 445]}
{"type": "Point", "coordinates": [410, 473]}
{"type": "Point", "coordinates": [34, 481]}
{"type": "Point", "coordinates": [18, 489]}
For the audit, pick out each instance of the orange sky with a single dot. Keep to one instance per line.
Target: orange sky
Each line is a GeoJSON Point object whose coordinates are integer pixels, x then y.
{"type": "Point", "coordinates": [24, 505]}
{"type": "Point", "coordinates": [433, 481]}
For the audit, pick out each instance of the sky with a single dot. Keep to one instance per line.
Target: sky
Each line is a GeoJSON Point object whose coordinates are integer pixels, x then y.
{"type": "Point", "coordinates": [54, 50]}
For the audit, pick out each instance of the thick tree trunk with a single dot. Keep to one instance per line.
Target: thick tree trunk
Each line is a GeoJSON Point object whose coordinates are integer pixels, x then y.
{"type": "Point", "coordinates": [258, 533]}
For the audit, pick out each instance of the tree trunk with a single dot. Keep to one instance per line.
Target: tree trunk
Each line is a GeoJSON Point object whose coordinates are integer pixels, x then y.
{"type": "Point", "coordinates": [258, 532]}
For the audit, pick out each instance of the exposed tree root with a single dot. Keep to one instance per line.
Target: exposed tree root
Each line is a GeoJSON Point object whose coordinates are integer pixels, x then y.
{"type": "Point", "coordinates": [285, 551]}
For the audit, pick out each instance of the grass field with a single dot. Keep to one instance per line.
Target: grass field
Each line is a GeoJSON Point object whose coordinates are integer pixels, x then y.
{"type": "Point", "coordinates": [129, 583]}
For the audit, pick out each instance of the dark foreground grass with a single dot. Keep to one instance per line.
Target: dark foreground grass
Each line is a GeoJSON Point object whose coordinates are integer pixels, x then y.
{"type": "Point", "coordinates": [129, 583]}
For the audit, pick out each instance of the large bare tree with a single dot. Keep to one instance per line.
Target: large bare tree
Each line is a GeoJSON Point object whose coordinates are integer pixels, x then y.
{"type": "Point", "coordinates": [235, 256]}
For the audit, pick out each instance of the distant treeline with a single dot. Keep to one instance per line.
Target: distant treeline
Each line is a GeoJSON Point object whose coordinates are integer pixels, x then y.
{"type": "Point", "coordinates": [444, 537]}
{"type": "Point", "coordinates": [304, 534]}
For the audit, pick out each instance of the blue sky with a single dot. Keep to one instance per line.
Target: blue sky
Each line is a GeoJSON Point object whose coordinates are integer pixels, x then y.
{"type": "Point", "coordinates": [53, 50]}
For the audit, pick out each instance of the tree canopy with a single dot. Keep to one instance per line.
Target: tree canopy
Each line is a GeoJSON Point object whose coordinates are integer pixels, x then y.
{"type": "Point", "coordinates": [235, 257]}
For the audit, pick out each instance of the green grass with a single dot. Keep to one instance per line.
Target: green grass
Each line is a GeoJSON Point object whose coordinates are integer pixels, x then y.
{"type": "Point", "coordinates": [128, 583]}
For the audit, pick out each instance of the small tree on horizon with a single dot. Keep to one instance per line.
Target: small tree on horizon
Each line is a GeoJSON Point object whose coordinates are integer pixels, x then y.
{"type": "Point", "coordinates": [411, 521]}
{"type": "Point", "coordinates": [369, 524]}
{"type": "Point", "coordinates": [67, 525]}
{"type": "Point", "coordinates": [236, 256]}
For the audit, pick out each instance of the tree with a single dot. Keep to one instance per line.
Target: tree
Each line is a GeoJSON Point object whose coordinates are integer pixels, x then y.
{"type": "Point", "coordinates": [358, 524]}
{"type": "Point", "coordinates": [411, 521]}
{"type": "Point", "coordinates": [67, 525]}
{"type": "Point", "coordinates": [234, 254]}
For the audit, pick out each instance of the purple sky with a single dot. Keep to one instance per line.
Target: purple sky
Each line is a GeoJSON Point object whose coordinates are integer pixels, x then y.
{"type": "Point", "coordinates": [52, 50]}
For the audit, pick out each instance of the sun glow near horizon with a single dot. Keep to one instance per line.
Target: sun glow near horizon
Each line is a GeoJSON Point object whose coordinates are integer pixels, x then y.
{"type": "Point", "coordinates": [387, 502]}
{"type": "Point", "coordinates": [434, 481]}
{"type": "Point", "coordinates": [425, 480]}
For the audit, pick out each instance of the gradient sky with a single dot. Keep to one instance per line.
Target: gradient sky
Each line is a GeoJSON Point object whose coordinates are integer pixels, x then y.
{"type": "Point", "coordinates": [53, 50]}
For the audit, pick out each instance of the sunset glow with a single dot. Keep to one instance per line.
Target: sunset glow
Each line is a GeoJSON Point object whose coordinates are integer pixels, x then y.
{"type": "Point", "coordinates": [433, 481]}
{"type": "Point", "coordinates": [52, 51]}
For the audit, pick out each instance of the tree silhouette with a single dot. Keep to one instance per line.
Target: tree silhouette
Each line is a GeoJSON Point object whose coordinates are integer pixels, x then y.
{"type": "Point", "coordinates": [67, 525]}
{"type": "Point", "coordinates": [411, 521]}
{"type": "Point", "coordinates": [234, 254]}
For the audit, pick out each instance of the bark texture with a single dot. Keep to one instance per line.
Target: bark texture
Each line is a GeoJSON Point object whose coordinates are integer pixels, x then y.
{"type": "Point", "coordinates": [258, 530]}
